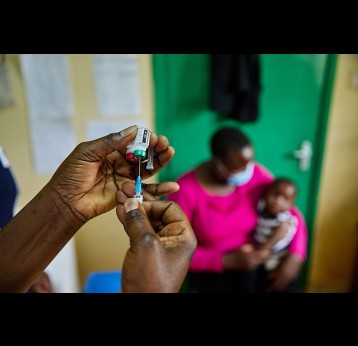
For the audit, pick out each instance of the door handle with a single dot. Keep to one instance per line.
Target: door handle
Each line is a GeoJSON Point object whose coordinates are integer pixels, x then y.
{"type": "Point", "coordinates": [304, 155]}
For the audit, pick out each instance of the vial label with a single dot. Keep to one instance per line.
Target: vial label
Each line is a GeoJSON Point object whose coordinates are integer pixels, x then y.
{"type": "Point", "coordinates": [142, 136]}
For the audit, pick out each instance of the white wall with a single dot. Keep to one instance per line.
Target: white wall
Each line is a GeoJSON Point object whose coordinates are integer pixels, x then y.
{"type": "Point", "coordinates": [63, 271]}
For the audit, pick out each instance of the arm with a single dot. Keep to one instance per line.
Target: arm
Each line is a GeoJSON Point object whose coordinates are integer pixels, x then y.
{"type": "Point", "coordinates": [277, 234]}
{"type": "Point", "coordinates": [298, 245]}
{"type": "Point", "coordinates": [290, 267]}
{"type": "Point", "coordinates": [161, 246]}
{"type": "Point", "coordinates": [83, 187]}
{"type": "Point", "coordinates": [286, 272]}
{"type": "Point", "coordinates": [245, 258]}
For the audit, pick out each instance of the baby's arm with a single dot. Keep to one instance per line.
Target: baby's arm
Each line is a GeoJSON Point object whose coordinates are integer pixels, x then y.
{"type": "Point", "coordinates": [277, 234]}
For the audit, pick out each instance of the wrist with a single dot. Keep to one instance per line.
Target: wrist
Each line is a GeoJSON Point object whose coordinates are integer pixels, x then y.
{"type": "Point", "coordinates": [64, 213]}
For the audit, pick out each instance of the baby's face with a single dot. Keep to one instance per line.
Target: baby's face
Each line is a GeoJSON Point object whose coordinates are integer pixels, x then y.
{"type": "Point", "coordinates": [280, 197]}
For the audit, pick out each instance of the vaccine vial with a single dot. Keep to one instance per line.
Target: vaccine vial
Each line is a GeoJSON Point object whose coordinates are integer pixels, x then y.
{"type": "Point", "coordinates": [137, 149]}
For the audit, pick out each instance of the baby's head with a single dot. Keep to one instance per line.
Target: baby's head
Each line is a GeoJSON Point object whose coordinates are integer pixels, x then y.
{"type": "Point", "coordinates": [280, 196]}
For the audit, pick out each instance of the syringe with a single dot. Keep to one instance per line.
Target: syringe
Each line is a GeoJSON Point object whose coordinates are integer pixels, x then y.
{"type": "Point", "coordinates": [138, 185]}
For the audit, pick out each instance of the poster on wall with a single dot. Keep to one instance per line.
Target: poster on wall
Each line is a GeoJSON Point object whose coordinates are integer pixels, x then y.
{"type": "Point", "coordinates": [117, 87]}
{"type": "Point", "coordinates": [49, 100]}
{"type": "Point", "coordinates": [6, 96]}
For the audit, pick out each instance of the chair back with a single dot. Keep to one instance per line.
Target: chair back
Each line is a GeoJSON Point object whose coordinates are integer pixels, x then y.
{"type": "Point", "coordinates": [103, 282]}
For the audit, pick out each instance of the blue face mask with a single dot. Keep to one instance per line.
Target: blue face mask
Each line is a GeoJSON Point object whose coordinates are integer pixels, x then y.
{"type": "Point", "coordinates": [241, 178]}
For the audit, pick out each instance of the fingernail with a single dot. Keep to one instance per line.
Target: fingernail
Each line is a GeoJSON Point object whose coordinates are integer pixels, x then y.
{"type": "Point", "coordinates": [130, 204]}
{"type": "Point", "coordinates": [128, 131]}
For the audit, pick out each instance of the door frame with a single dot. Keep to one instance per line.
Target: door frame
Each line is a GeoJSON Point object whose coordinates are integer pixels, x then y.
{"type": "Point", "coordinates": [319, 145]}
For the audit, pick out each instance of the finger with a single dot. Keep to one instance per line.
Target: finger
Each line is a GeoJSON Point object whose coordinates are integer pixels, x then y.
{"type": "Point", "coordinates": [103, 146]}
{"type": "Point", "coordinates": [135, 220]}
{"type": "Point", "coordinates": [166, 213]}
{"type": "Point", "coordinates": [160, 160]}
{"type": "Point", "coordinates": [160, 189]}
{"type": "Point", "coordinates": [150, 191]}
{"type": "Point", "coordinates": [172, 226]}
{"type": "Point", "coordinates": [162, 144]}
{"type": "Point", "coordinates": [164, 157]}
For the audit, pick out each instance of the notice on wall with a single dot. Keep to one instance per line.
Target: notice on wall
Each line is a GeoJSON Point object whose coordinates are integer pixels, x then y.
{"type": "Point", "coordinates": [49, 99]}
{"type": "Point", "coordinates": [116, 79]}
{"type": "Point", "coordinates": [52, 141]}
{"type": "Point", "coordinates": [6, 97]}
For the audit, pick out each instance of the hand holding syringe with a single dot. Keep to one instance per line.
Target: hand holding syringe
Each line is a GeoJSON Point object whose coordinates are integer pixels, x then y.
{"type": "Point", "coordinates": [136, 151]}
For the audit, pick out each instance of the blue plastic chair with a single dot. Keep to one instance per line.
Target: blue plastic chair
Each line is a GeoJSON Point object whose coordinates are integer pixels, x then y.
{"type": "Point", "coordinates": [103, 282]}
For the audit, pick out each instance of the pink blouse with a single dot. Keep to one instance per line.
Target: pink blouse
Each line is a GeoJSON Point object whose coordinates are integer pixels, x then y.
{"type": "Point", "coordinates": [224, 222]}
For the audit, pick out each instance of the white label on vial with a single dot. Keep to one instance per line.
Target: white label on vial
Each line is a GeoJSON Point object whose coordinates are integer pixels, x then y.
{"type": "Point", "coordinates": [142, 136]}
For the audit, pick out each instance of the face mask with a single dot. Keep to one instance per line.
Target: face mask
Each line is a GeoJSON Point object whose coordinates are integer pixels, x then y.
{"type": "Point", "coordinates": [241, 178]}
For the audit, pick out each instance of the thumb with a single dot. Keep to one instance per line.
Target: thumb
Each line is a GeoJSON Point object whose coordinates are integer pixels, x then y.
{"type": "Point", "coordinates": [103, 146]}
{"type": "Point", "coordinates": [135, 220]}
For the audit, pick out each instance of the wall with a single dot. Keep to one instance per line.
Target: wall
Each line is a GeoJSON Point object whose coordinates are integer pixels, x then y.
{"type": "Point", "coordinates": [101, 243]}
{"type": "Point", "coordinates": [335, 232]}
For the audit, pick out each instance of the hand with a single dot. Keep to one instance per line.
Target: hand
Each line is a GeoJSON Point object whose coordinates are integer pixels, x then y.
{"type": "Point", "coordinates": [244, 258]}
{"type": "Point", "coordinates": [83, 187]}
{"type": "Point", "coordinates": [263, 253]}
{"type": "Point", "coordinates": [285, 273]}
{"type": "Point", "coordinates": [150, 191]}
{"type": "Point", "coordinates": [91, 175]}
{"type": "Point", "coordinates": [162, 243]}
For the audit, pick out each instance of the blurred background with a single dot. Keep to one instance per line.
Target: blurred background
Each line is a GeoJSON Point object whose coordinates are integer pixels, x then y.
{"type": "Point", "coordinates": [305, 127]}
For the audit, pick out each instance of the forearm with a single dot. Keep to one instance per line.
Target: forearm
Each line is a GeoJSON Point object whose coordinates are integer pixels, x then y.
{"type": "Point", "coordinates": [294, 263]}
{"type": "Point", "coordinates": [277, 234]}
{"type": "Point", "coordinates": [271, 242]}
{"type": "Point", "coordinates": [33, 238]}
{"type": "Point", "coordinates": [244, 258]}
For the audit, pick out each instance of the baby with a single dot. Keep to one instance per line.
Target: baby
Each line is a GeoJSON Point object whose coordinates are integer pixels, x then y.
{"type": "Point", "coordinates": [276, 226]}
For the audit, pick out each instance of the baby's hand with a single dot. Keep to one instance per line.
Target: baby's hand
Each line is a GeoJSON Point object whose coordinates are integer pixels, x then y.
{"type": "Point", "coordinates": [264, 253]}
{"type": "Point", "coordinates": [247, 248]}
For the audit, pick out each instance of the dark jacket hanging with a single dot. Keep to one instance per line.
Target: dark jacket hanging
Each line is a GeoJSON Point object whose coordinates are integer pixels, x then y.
{"type": "Point", "coordinates": [235, 85]}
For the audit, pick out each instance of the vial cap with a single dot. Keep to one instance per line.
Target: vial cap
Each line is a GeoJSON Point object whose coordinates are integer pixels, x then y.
{"type": "Point", "coordinates": [140, 153]}
{"type": "Point", "coordinates": [130, 157]}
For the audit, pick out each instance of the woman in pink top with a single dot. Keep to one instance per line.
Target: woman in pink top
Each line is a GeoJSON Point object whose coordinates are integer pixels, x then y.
{"type": "Point", "coordinates": [220, 199]}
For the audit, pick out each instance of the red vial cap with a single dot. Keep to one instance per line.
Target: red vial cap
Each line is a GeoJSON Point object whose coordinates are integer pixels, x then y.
{"type": "Point", "coordinates": [130, 157]}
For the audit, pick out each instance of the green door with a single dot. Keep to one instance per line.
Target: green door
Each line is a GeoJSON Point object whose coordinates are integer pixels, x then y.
{"type": "Point", "coordinates": [292, 121]}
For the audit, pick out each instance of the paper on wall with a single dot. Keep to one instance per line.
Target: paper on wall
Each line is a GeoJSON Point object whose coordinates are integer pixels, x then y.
{"type": "Point", "coordinates": [52, 142]}
{"type": "Point", "coordinates": [6, 96]}
{"type": "Point", "coordinates": [47, 87]}
{"type": "Point", "coordinates": [116, 80]}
